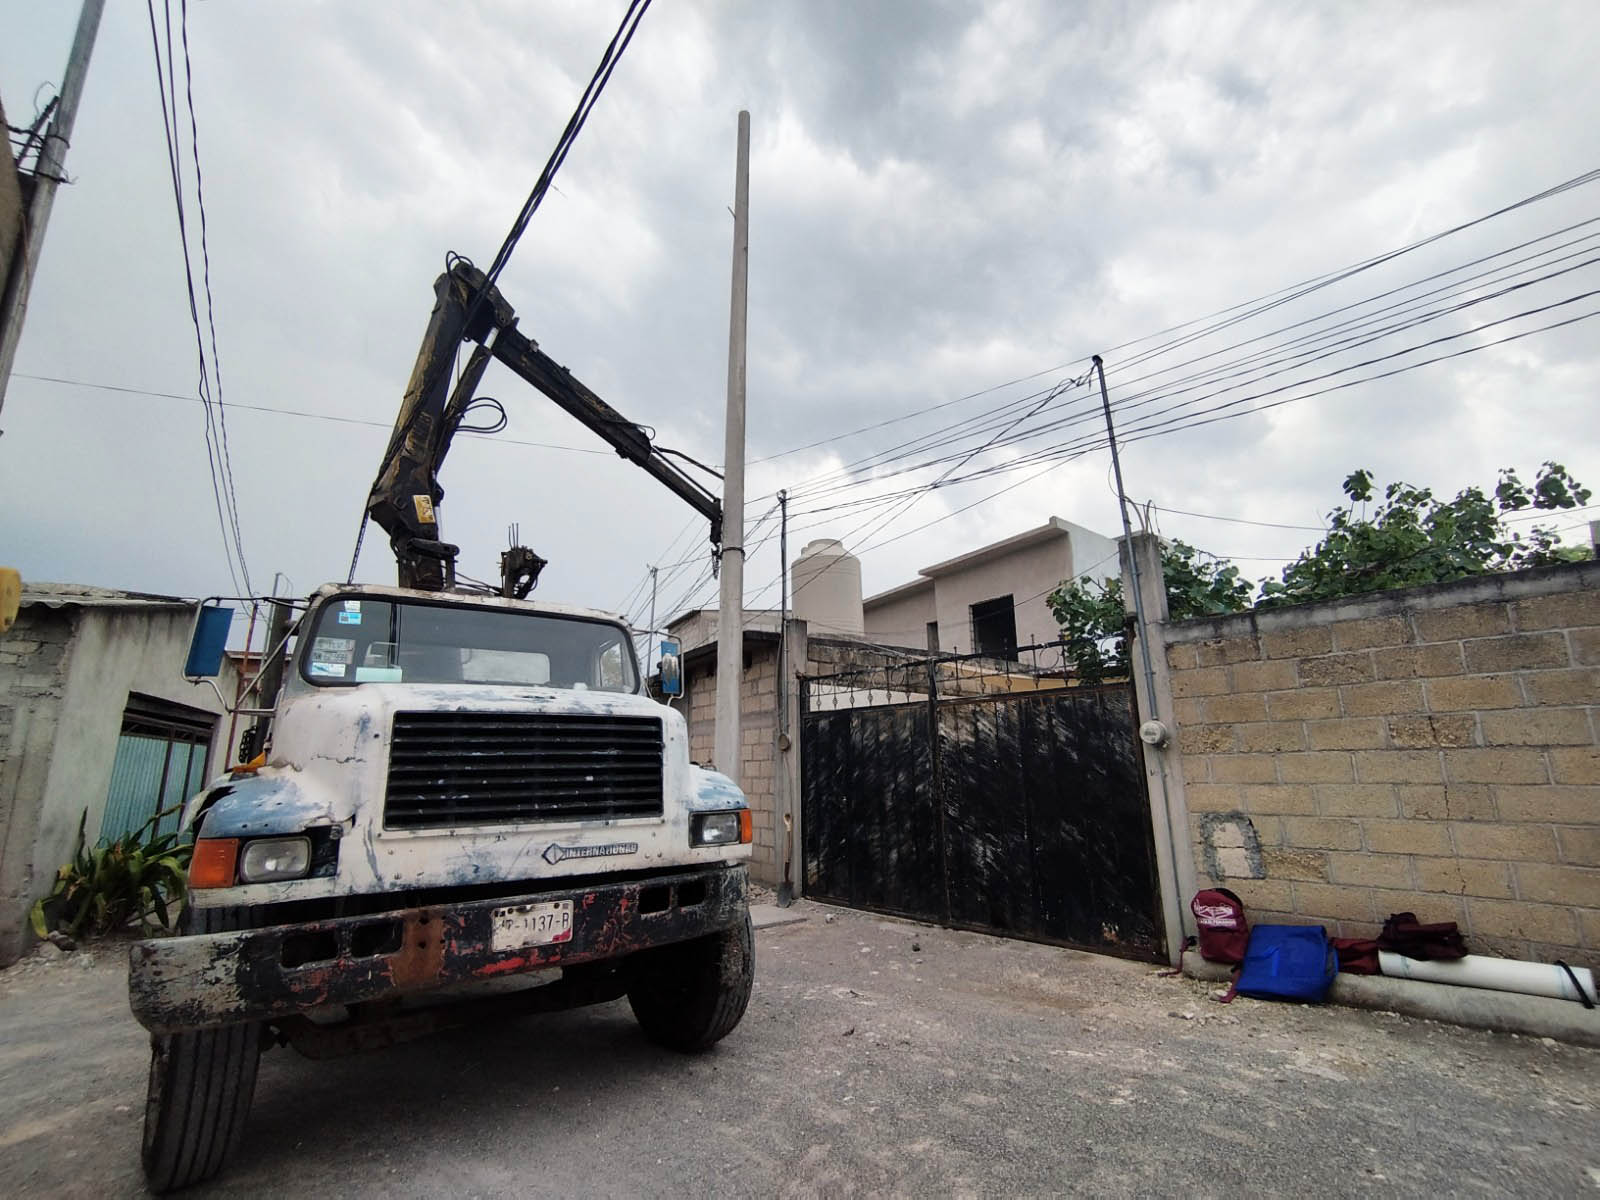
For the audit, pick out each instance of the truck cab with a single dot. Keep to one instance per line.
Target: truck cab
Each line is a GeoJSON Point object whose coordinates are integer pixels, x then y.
{"type": "Point", "coordinates": [456, 788]}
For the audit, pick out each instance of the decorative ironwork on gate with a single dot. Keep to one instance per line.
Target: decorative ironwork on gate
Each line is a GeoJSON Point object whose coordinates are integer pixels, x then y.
{"type": "Point", "coordinates": [983, 794]}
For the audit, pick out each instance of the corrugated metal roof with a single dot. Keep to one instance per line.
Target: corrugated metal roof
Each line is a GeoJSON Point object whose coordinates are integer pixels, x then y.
{"type": "Point", "coordinates": [79, 595]}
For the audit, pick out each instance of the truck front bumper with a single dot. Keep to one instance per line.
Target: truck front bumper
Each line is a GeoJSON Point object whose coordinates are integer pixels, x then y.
{"type": "Point", "coordinates": [206, 980]}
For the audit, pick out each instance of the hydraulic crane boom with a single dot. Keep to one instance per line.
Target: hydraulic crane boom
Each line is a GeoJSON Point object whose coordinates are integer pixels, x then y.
{"type": "Point", "coordinates": [405, 497]}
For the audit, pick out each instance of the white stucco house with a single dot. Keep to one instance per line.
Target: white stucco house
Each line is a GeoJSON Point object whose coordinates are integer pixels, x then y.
{"type": "Point", "coordinates": [990, 600]}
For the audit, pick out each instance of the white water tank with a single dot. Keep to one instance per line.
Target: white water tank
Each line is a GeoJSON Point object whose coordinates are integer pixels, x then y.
{"type": "Point", "coordinates": [825, 586]}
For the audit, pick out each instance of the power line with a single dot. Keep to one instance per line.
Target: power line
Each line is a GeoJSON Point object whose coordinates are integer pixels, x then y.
{"type": "Point", "coordinates": [216, 448]}
{"type": "Point", "coordinates": [1252, 308]}
{"type": "Point", "coordinates": [291, 412]}
{"type": "Point", "coordinates": [580, 114]}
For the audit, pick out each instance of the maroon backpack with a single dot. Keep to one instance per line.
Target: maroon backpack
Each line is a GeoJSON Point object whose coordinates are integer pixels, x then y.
{"type": "Point", "coordinates": [1224, 933]}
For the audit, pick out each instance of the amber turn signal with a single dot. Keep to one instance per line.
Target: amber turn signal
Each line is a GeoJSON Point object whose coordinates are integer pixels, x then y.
{"type": "Point", "coordinates": [214, 863]}
{"type": "Point", "coordinates": [744, 827]}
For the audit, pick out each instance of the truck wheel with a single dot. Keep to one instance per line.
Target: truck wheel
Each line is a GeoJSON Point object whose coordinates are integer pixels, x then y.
{"type": "Point", "coordinates": [690, 997]}
{"type": "Point", "coordinates": [200, 1087]}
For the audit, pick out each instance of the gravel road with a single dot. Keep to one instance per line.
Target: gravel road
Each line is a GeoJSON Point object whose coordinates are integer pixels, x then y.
{"type": "Point", "coordinates": [878, 1057]}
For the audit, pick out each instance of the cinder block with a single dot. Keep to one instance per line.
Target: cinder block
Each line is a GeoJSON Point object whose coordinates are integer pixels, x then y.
{"type": "Point", "coordinates": [1262, 895]}
{"type": "Point", "coordinates": [1188, 711]}
{"type": "Point", "coordinates": [1375, 631]}
{"type": "Point", "coordinates": [1378, 699]}
{"type": "Point", "coordinates": [1399, 766]}
{"type": "Point", "coordinates": [1579, 886]}
{"type": "Point", "coordinates": [1579, 765]}
{"type": "Point", "coordinates": [1196, 768]}
{"type": "Point", "coordinates": [1354, 733]}
{"type": "Point", "coordinates": [1355, 800]}
{"type": "Point", "coordinates": [1370, 870]}
{"type": "Point", "coordinates": [1408, 837]}
{"type": "Point", "coordinates": [1278, 799]}
{"type": "Point", "coordinates": [1294, 864]}
{"type": "Point", "coordinates": [1580, 845]}
{"type": "Point", "coordinates": [1244, 768]}
{"type": "Point", "coordinates": [1203, 681]}
{"type": "Point", "coordinates": [1248, 707]}
{"type": "Point", "coordinates": [1463, 621]}
{"type": "Point", "coordinates": [1355, 667]}
{"type": "Point", "coordinates": [1580, 685]}
{"type": "Point", "coordinates": [1418, 662]}
{"type": "Point", "coordinates": [1521, 843]}
{"type": "Point", "coordinates": [1267, 675]}
{"type": "Point", "coordinates": [1518, 919]}
{"type": "Point", "coordinates": [1214, 797]}
{"type": "Point", "coordinates": [1495, 766]}
{"type": "Point", "coordinates": [1560, 611]}
{"type": "Point", "coordinates": [1589, 927]}
{"type": "Point", "coordinates": [1538, 727]}
{"type": "Point", "coordinates": [1316, 766]}
{"type": "Point", "coordinates": [1519, 652]}
{"type": "Point", "coordinates": [1297, 643]}
{"type": "Point", "coordinates": [1182, 657]}
{"type": "Point", "coordinates": [1207, 739]}
{"type": "Point", "coordinates": [1450, 801]}
{"type": "Point", "coordinates": [1473, 692]}
{"type": "Point", "coordinates": [1321, 833]}
{"type": "Point", "coordinates": [1558, 804]}
{"type": "Point", "coordinates": [1270, 736]}
{"type": "Point", "coordinates": [1433, 729]}
{"type": "Point", "coordinates": [1585, 646]}
{"type": "Point", "coordinates": [1333, 901]}
{"type": "Point", "coordinates": [1464, 877]}
{"type": "Point", "coordinates": [1221, 651]}
{"type": "Point", "coordinates": [1303, 704]}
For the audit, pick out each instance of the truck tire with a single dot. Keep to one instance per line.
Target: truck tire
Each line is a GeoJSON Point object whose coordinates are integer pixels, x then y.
{"type": "Point", "coordinates": [689, 997]}
{"type": "Point", "coordinates": [201, 1084]}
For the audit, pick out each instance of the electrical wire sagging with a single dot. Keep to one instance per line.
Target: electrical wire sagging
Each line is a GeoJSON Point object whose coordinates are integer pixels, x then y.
{"type": "Point", "coordinates": [209, 385]}
{"type": "Point", "coordinates": [541, 187]}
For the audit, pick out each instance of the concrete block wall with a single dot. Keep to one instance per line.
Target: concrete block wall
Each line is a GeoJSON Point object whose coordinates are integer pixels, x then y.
{"type": "Point", "coordinates": [758, 695]}
{"type": "Point", "coordinates": [1434, 749]}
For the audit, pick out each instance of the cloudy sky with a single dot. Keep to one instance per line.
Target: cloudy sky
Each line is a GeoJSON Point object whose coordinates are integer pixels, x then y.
{"type": "Point", "coordinates": [945, 198]}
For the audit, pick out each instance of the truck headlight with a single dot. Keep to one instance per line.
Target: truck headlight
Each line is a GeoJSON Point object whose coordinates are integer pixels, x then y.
{"type": "Point", "coordinates": [720, 828]}
{"type": "Point", "coordinates": [266, 859]}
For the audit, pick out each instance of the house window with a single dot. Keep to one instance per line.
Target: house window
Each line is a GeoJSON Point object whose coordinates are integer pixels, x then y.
{"type": "Point", "coordinates": [933, 637]}
{"type": "Point", "coordinates": [994, 628]}
{"type": "Point", "coordinates": [160, 763]}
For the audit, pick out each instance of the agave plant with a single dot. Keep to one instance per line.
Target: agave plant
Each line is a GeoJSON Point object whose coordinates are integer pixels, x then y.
{"type": "Point", "coordinates": [137, 876]}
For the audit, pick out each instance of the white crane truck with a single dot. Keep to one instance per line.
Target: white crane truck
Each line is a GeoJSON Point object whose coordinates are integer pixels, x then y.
{"type": "Point", "coordinates": [448, 786]}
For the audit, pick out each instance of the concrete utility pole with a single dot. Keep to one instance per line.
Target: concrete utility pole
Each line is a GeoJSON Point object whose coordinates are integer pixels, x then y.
{"type": "Point", "coordinates": [730, 623]}
{"type": "Point", "coordinates": [51, 171]}
{"type": "Point", "coordinates": [650, 642]}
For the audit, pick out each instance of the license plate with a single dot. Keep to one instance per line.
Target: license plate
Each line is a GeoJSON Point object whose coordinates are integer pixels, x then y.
{"type": "Point", "coordinates": [519, 925]}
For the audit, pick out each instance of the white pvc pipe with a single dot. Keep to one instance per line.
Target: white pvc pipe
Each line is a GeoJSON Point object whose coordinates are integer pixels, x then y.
{"type": "Point", "coordinates": [1498, 974]}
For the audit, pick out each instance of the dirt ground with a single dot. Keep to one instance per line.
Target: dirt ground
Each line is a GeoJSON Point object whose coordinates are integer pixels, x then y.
{"type": "Point", "coordinates": [878, 1057]}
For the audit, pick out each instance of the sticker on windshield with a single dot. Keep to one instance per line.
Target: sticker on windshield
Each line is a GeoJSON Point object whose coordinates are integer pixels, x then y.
{"type": "Point", "coordinates": [326, 670]}
{"type": "Point", "coordinates": [349, 618]}
{"type": "Point", "coordinates": [352, 606]}
{"type": "Point", "coordinates": [333, 650]}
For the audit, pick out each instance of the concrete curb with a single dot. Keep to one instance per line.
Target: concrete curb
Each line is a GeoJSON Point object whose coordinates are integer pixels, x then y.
{"type": "Point", "coordinates": [1476, 1008]}
{"type": "Point", "coordinates": [770, 916]}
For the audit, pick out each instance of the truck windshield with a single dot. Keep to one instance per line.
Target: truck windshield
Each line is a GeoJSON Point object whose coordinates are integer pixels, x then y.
{"type": "Point", "coordinates": [362, 640]}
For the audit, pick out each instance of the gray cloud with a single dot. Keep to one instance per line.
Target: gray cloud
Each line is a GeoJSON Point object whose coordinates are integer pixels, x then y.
{"type": "Point", "coordinates": [944, 197]}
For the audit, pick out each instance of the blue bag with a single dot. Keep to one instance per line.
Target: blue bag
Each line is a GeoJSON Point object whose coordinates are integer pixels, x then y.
{"type": "Point", "coordinates": [1288, 962]}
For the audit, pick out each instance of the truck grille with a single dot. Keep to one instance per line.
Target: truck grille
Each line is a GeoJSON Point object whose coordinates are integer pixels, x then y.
{"type": "Point", "coordinates": [452, 769]}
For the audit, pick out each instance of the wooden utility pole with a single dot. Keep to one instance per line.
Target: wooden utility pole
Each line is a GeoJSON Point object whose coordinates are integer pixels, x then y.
{"type": "Point", "coordinates": [730, 623]}
{"type": "Point", "coordinates": [49, 174]}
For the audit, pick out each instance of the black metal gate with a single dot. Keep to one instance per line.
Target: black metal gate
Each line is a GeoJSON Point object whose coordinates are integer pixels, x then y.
{"type": "Point", "coordinates": [982, 796]}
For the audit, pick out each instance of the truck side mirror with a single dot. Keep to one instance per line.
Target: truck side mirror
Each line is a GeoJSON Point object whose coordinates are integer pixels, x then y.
{"type": "Point", "coordinates": [208, 641]}
{"type": "Point", "coordinates": [671, 674]}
